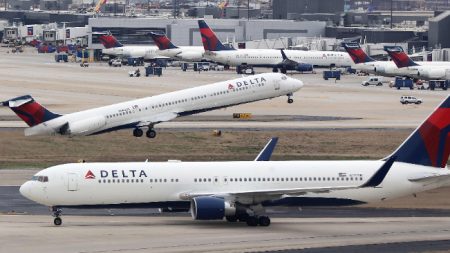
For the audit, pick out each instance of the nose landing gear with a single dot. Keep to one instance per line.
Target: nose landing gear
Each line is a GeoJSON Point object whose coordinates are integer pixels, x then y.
{"type": "Point", "coordinates": [57, 213]}
{"type": "Point", "coordinates": [290, 99]}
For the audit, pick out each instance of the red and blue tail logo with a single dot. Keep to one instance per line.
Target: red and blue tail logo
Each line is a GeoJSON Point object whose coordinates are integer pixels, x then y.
{"type": "Point", "coordinates": [400, 58]}
{"type": "Point", "coordinates": [109, 41]}
{"type": "Point", "coordinates": [356, 53]}
{"type": "Point", "coordinates": [162, 42]}
{"type": "Point", "coordinates": [209, 38]}
{"type": "Point", "coordinates": [29, 110]}
{"type": "Point", "coordinates": [429, 145]}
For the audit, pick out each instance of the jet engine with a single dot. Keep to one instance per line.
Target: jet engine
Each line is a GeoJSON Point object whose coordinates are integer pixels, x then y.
{"type": "Point", "coordinates": [211, 208]}
{"type": "Point", "coordinates": [304, 67]}
{"type": "Point", "coordinates": [84, 126]}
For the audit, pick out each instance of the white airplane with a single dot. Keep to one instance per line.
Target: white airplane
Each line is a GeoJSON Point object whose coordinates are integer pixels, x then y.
{"type": "Point", "coordinates": [427, 70]}
{"type": "Point", "coordinates": [241, 190]}
{"type": "Point", "coordinates": [146, 112]}
{"type": "Point", "coordinates": [365, 63]}
{"type": "Point", "coordinates": [272, 58]}
{"type": "Point", "coordinates": [115, 48]}
{"type": "Point", "coordinates": [167, 48]}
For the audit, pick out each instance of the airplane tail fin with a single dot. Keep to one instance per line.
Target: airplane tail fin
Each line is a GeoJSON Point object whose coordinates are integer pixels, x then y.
{"type": "Point", "coordinates": [400, 58]}
{"type": "Point", "coordinates": [162, 41]}
{"type": "Point", "coordinates": [429, 144]}
{"type": "Point", "coordinates": [209, 38]}
{"type": "Point", "coordinates": [356, 53]}
{"type": "Point", "coordinates": [29, 110]}
{"type": "Point", "coordinates": [109, 41]}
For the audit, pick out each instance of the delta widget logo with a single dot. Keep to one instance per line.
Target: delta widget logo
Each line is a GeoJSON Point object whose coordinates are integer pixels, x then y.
{"type": "Point", "coordinates": [89, 175]}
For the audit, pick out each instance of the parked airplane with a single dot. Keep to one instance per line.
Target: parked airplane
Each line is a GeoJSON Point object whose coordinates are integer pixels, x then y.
{"type": "Point", "coordinates": [115, 48]}
{"type": "Point", "coordinates": [432, 70]}
{"type": "Point", "coordinates": [167, 48]}
{"type": "Point", "coordinates": [241, 190]}
{"type": "Point", "coordinates": [146, 112]}
{"type": "Point", "coordinates": [365, 63]}
{"type": "Point", "coordinates": [271, 58]}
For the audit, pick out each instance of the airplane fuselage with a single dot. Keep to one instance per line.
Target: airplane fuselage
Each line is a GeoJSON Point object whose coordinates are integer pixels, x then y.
{"type": "Point", "coordinates": [146, 52]}
{"type": "Point", "coordinates": [273, 57]}
{"type": "Point", "coordinates": [169, 184]}
{"type": "Point", "coordinates": [164, 107]}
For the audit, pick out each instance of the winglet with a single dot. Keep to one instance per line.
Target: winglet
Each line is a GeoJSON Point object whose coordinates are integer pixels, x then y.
{"type": "Point", "coordinates": [267, 151]}
{"type": "Point", "coordinates": [381, 173]}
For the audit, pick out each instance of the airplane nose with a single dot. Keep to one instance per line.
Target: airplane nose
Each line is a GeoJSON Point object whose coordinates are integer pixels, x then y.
{"type": "Point", "coordinates": [297, 83]}
{"type": "Point", "coordinates": [25, 190]}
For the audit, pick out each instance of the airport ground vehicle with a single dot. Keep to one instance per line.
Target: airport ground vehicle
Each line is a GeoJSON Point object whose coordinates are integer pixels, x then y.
{"type": "Point", "coordinates": [410, 100]}
{"type": "Point", "coordinates": [436, 84]}
{"type": "Point", "coordinates": [134, 73]}
{"type": "Point", "coordinates": [327, 74]}
{"type": "Point", "coordinates": [115, 63]}
{"type": "Point", "coordinates": [403, 82]}
{"type": "Point", "coordinates": [373, 80]}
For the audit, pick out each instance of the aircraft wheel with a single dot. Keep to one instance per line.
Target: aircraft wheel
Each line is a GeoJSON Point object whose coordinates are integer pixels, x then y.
{"type": "Point", "coordinates": [231, 218]}
{"type": "Point", "coordinates": [151, 133]}
{"type": "Point", "coordinates": [284, 71]}
{"type": "Point", "coordinates": [57, 221]}
{"type": "Point", "coordinates": [290, 100]}
{"type": "Point", "coordinates": [264, 221]}
{"type": "Point", "coordinates": [275, 70]}
{"type": "Point", "coordinates": [252, 221]}
{"type": "Point", "coordinates": [137, 132]}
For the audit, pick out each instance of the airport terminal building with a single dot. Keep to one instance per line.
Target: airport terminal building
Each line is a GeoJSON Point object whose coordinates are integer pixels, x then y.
{"type": "Point", "coordinates": [184, 32]}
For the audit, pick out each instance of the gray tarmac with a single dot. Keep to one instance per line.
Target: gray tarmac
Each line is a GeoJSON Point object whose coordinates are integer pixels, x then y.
{"type": "Point", "coordinates": [27, 227]}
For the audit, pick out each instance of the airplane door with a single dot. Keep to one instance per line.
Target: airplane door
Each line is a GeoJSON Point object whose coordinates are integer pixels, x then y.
{"type": "Point", "coordinates": [72, 182]}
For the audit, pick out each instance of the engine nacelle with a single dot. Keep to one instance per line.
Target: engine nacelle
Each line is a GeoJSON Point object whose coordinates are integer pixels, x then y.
{"type": "Point", "coordinates": [304, 67]}
{"type": "Point", "coordinates": [379, 70]}
{"type": "Point", "coordinates": [211, 208]}
{"type": "Point", "coordinates": [84, 126]}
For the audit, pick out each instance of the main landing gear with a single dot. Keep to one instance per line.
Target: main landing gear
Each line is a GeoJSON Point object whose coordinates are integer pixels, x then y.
{"type": "Point", "coordinates": [290, 99]}
{"type": "Point", "coordinates": [138, 132]}
{"type": "Point", "coordinates": [252, 221]}
{"type": "Point", "coordinates": [57, 214]}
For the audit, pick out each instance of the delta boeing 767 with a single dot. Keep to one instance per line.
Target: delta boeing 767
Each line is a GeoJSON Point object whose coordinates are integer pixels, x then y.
{"type": "Point", "coordinates": [241, 190]}
{"type": "Point", "coordinates": [146, 112]}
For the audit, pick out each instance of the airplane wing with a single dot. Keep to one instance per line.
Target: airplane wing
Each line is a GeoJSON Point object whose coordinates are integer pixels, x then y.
{"type": "Point", "coordinates": [374, 181]}
{"type": "Point", "coordinates": [158, 118]}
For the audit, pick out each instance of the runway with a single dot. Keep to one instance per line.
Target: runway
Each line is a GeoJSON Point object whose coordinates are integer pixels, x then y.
{"type": "Point", "coordinates": [181, 234]}
{"type": "Point", "coordinates": [144, 230]}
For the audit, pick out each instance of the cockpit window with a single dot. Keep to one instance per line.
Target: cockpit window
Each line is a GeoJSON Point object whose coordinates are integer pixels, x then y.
{"type": "Point", "coordinates": [40, 178]}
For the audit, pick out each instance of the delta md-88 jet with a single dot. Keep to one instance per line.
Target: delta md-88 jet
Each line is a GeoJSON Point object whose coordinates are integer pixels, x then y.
{"type": "Point", "coordinates": [146, 112]}
{"type": "Point", "coordinates": [241, 190]}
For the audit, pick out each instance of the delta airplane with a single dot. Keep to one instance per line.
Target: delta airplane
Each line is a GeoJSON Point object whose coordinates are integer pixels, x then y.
{"type": "Point", "coordinates": [365, 63]}
{"type": "Point", "coordinates": [115, 48]}
{"type": "Point", "coordinates": [242, 190]}
{"type": "Point", "coordinates": [432, 70]}
{"type": "Point", "coordinates": [272, 58]}
{"type": "Point", "coordinates": [146, 112]}
{"type": "Point", "coordinates": [167, 48]}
